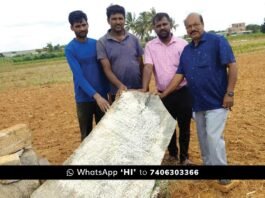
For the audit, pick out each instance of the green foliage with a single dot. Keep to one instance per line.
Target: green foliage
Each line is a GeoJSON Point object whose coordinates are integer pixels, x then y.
{"type": "Point", "coordinates": [32, 57]}
{"type": "Point", "coordinates": [255, 28]}
{"type": "Point", "coordinates": [50, 48]}
{"type": "Point", "coordinates": [48, 52]}
{"type": "Point", "coordinates": [262, 27]}
{"type": "Point", "coordinates": [142, 25]}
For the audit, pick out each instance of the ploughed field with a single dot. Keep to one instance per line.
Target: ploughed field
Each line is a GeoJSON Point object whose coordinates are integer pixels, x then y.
{"type": "Point", "coordinates": [42, 97]}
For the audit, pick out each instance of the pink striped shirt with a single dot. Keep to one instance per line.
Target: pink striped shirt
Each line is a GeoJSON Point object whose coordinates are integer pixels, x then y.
{"type": "Point", "coordinates": [165, 59]}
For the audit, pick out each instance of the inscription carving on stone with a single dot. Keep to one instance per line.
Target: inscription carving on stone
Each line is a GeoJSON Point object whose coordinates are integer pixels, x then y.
{"type": "Point", "coordinates": [135, 131]}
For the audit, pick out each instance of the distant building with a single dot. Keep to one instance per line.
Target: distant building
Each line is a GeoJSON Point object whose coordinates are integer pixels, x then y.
{"type": "Point", "coordinates": [237, 28]}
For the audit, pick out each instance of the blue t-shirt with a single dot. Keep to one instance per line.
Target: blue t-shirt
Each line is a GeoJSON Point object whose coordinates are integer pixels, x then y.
{"type": "Point", "coordinates": [123, 56]}
{"type": "Point", "coordinates": [205, 68]}
{"type": "Point", "coordinates": [88, 74]}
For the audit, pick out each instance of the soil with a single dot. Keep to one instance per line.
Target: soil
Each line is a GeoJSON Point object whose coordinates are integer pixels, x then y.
{"type": "Point", "coordinates": [50, 114]}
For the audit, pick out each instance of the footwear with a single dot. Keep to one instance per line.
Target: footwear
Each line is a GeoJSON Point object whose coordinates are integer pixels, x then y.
{"type": "Point", "coordinates": [225, 185]}
{"type": "Point", "coordinates": [224, 181]}
{"type": "Point", "coordinates": [171, 158]}
{"type": "Point", "coordinates": [186, 162]}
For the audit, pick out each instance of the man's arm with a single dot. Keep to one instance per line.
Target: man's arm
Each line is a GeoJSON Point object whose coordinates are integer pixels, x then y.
{"type": "Point", "coordinates": [232, 78]}
{"type": "Point", "coordinates": [177, 79]}
{"type": "Point", "coordinates": [147, 73]}
{"type": "Point", "coordinates": [111, 76]}
{"type": "Point", "coordinates": [141, 65]}
{"type": "Point", "coordinates": [83, 83]}
{"type": "Point", "coordinates": [101, 102]}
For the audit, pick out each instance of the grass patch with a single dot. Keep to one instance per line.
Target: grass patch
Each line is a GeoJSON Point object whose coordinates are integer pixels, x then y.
{"type": "Point", "coordinates": [6, 64]}
{"type": "Point", "coordinates": [24, 75]}
{"type": "Point", "coordinates": [247, 43]}
{"type": "Point", "coordinates": [56, 70]}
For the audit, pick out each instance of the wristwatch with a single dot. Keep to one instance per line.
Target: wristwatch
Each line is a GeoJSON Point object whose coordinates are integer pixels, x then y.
{"type": "Point", "coordinates": [230, 93]}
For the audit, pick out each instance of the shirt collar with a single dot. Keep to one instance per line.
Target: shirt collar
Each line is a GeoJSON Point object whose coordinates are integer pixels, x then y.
{"type": "Point", "coordinates": [202, 40]}
{"type": "Point", "coordinates": [109, 37]}
{"type": "Point", "coordinates": [173, 40]}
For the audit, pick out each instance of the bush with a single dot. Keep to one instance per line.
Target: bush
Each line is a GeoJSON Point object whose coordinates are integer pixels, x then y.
{"type": "Point", "coordinates": [41, 56]}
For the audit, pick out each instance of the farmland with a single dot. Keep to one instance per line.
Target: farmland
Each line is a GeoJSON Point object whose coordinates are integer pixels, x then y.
{"type": "Point", "coordinates": [40, 94]}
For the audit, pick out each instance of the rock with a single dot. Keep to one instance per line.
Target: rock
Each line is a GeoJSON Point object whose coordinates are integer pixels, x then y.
{"type": "Point", "coordinates": [29, 157]}
{"type": "Point", "coordinates": [19, 189]}
{"type": "Point", "coordinates": [14, 139]}
{"type": "Point", "coordinates": [12, 159]}
{"type": "Point", "coordinates": [135, 131]}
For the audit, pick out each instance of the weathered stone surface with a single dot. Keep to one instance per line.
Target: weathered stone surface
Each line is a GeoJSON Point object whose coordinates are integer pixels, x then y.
{"type": "Point", "coordinates": [12, 159]}
{"type": "Point", "coordinates": [19, 189]}
{"type": "Point", "coordinates": [14, 139]}
{"type": "Point", "coordinates": [135, 131]}
{"type": "Point", "coordinates": [43, 161]}
{"type": "Point", "coordinates": [29, 157]}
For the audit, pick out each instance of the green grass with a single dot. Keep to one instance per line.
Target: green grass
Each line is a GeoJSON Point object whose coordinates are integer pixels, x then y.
{"type": "Point", "coordinates": [34, 74]}
{"type": "Point", "coordinates": [50, 71]}
{"type": "Point", "coordinates": [247, 43]}
{"type": "Point", "coordinates": [6, 64]}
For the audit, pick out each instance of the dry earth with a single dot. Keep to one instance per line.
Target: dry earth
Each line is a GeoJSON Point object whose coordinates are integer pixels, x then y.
{"type": "Point", "coordinates": [49, 112]}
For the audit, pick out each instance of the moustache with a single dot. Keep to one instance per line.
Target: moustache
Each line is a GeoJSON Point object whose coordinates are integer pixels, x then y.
{"type": "Point", "coordinates": [193, 32]}
{"type": "Point", "coordinates": [163, 31]}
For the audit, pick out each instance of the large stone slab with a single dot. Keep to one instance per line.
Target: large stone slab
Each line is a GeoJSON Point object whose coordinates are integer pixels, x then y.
{"type": "Point", "coordinates": [135, 131]}
{"type": "Point", "coordinates": [19, 189]}
{"type": "Point", "coordinates": [12, 159]}
{"type": "Point", "coordinates": [14, 139]}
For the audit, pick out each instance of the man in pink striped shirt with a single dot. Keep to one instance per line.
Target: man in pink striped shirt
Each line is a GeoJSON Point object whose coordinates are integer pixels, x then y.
{"type": "Point", "coordinates": [162, 56]}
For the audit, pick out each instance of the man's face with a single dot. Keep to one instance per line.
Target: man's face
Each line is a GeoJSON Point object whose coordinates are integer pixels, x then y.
{"type": "Point", "coordinates": [117, 22]}
{"type": "Point", "coordinates": [80, 29]}
{"type": "Point", "coordinates": [194, 27]}
{"type": "Point", "coordinates": [162, 28]}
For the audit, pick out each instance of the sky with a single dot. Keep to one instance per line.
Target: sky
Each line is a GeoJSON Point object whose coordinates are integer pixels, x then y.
{"type": "Point", "coordinates": [31, 24]}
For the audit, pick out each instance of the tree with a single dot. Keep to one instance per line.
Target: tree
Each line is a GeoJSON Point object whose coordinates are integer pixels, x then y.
{"type": "Point", "coordinates": [142, 25]}
{"type": "Point", "coordinates": [130, 22]}
{"type": "Point", "coordinates": [49, 47]}
{"type": "Point", "coordinates": [262, 27]}
{"type": "Point", "coordinates": [253, 27]}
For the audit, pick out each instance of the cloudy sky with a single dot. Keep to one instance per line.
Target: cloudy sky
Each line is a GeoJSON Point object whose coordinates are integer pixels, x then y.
{"type": "Point", "coordinates": [31, 24]}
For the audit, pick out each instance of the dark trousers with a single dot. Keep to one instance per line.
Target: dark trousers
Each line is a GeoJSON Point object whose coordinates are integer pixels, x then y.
{"type": "Point", "coordinates": [179, 105]}
{"type": "Point", "coordinates": [85, 112]}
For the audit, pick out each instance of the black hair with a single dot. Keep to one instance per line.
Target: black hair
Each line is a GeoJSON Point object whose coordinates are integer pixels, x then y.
{"type": "Point", "coordinates": [159, 16]}
{"type": "Point", "coordinates": [115, 9]}
{"type": "Point", "coordinates": [76, 16]}
{"type": "Point", "coordinates": [201, 19]}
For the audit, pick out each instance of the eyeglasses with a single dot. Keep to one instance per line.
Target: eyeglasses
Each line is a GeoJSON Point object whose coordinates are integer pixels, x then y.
{"type": "Point", "coordinates": [195, 26]}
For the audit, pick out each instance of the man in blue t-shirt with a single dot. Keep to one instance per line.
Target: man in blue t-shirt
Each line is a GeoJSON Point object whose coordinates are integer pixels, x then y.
{"type": "Point", "coordinates": [204, 63]}
{"type": "Point", "coordinates": [90, 84]}
{"type": "Point", "coordinates": [120, 54]}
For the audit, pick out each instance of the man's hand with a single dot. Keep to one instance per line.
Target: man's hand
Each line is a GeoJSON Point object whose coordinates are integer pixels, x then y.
{"type": "Point", "coordinates": [228, 102]}
{"type": "Point", "coordinates": [161, 95]}
{"type": "Point", "coordinates": [142, 90]}
{"type": "Point", "coordinates": [101, 102]}
{"type": "Point", "coordinates": [120, 90]}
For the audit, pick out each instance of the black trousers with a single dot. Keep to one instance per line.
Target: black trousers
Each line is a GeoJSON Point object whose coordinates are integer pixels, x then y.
{"type": "Point", "coordinates": [85, 112]}
{"type": "Point", "coordinates": [179, 105]}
